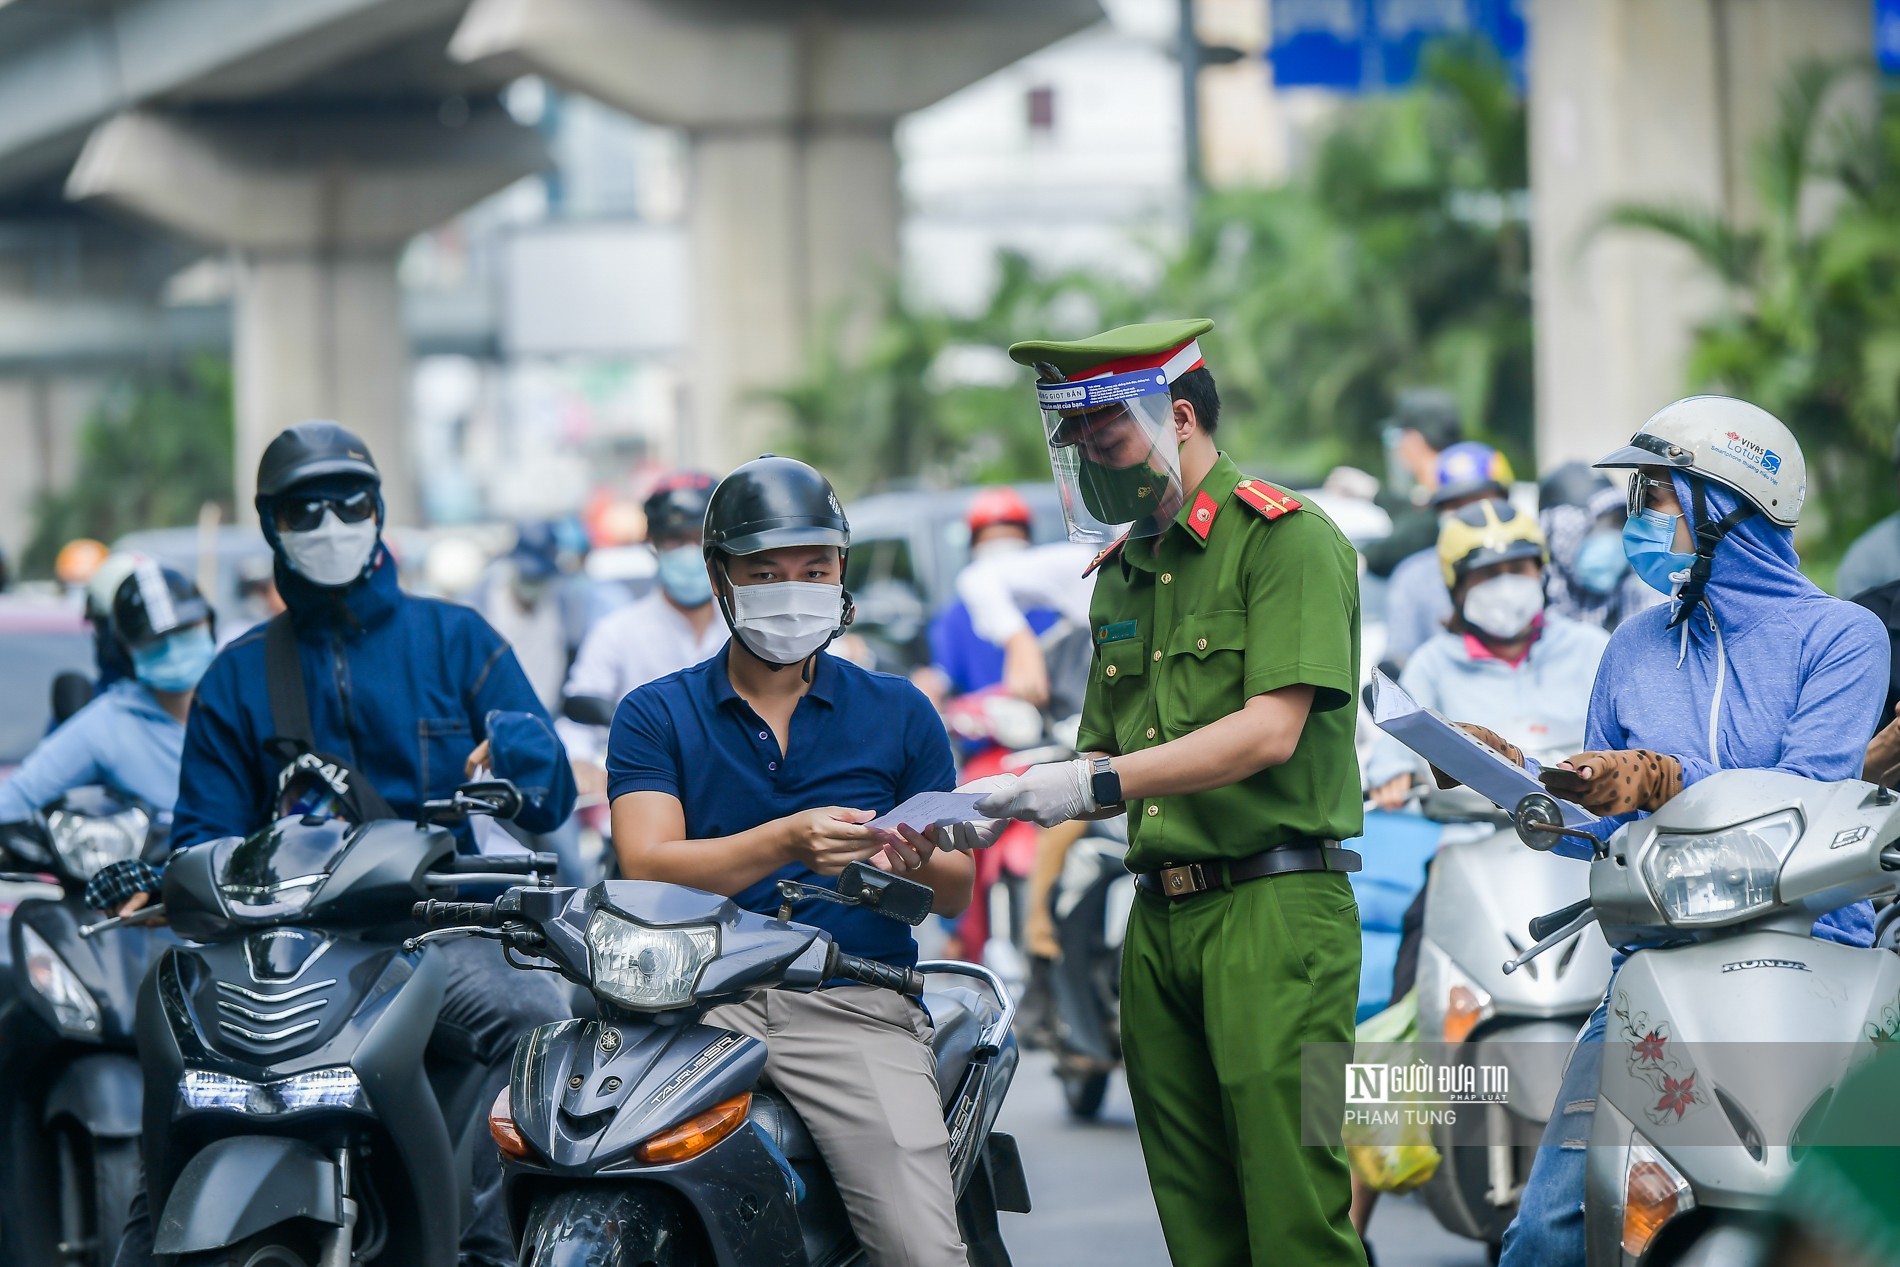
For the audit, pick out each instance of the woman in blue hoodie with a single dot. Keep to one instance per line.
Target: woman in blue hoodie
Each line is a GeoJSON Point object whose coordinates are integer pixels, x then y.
{"type": "Point", "coordinates": [1750, 666]}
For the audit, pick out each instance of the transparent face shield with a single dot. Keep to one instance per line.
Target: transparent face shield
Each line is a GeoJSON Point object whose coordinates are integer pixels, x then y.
{"type": "Point", "coordinates": [1113, 451]}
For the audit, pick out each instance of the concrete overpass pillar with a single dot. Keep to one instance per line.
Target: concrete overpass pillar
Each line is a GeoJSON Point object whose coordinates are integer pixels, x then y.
{"type": "Point", "coordinates": [1657, 101]}
{"type": "Point", "coordinates": [316, 211]}
{"type": "Point", "coordinates": [791, 108]}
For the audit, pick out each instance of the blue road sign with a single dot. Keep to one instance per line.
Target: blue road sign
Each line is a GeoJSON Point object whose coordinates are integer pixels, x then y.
{"type": "Point", "coordinates": [1375, 45]}
{"type": "Point", "coordinates": [1887, 34]}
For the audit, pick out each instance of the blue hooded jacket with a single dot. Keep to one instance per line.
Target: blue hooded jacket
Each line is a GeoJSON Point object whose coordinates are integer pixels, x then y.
{"type": "Point", "coordinates": [401, 687]}
{"type": "Point", "coordinates": [1770, 674]}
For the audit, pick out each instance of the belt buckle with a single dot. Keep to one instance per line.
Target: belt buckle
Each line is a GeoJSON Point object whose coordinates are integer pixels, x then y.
{"type": "Point", "coordinates": [1184, 880]}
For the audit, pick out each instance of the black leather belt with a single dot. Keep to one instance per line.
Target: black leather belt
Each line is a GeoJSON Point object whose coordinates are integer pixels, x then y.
{"type": "Point", "coordinates": [1190, 878]}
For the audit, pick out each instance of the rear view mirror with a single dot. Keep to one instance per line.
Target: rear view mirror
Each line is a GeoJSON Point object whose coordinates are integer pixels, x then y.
{"type": "Point", "coordinates": [495, 797]}
{"type": "Point", "coordinates": [891, 896]}
{"type": "Point", "coordinates": [71, 692]}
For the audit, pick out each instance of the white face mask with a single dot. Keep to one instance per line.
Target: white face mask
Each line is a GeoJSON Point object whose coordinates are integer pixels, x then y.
{"type": "Point", "coordinates": [783, 622]}
{"type": "Point", "coordinates": [333, 553]}
{"type": "Point", "coordinates": [1504, 606]}
{"type": "Point", "coordinates": [1000, 546]}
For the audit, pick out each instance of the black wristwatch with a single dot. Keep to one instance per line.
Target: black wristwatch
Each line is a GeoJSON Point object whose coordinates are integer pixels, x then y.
{"type": "Point", "coordinates": [1105, 783]}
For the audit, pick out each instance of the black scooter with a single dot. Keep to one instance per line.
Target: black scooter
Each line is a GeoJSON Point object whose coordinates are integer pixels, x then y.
{"type": "Point", "coordinates": [1090, 902]}
{"type": "Point", "coordinates": [294, 1115]}
{"type": "Point", "coordinates": [644, 1137]}
{"type": "Point", "coordinates": [69, 1077]}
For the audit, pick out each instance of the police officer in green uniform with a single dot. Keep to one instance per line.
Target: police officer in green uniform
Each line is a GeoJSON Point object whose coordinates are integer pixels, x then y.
{"type": "Point", "coordinates": [1220, 713]}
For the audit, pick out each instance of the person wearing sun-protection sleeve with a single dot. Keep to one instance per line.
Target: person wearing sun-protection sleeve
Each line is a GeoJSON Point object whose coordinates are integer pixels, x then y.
{"type": "Point", "coordinates": [413, 694]}
{"type": "Point", "coordinates": [1749, 666]}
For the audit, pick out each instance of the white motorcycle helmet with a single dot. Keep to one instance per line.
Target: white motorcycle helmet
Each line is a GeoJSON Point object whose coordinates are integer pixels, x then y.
{"type": "Point", "coordinates": [1740, 446]}
{"type": "Point", "coordinates": [1730, 442]}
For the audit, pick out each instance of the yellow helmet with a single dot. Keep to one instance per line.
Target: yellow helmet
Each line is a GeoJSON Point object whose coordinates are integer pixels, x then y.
{"type": "Point", "coordinates": [1487, 532]}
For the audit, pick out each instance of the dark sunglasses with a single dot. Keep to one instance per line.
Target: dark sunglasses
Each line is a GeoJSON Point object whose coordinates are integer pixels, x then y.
{"type": "Point", "coordinates": [304, 514]}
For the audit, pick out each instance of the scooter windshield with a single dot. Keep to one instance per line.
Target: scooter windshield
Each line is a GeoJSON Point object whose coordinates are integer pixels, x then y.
{"type": "Point", "coordinates": [275, 871]}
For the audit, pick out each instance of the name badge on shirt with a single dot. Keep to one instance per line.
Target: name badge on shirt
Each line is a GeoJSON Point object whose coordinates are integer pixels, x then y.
{"type": "Point", "coordinates": [1120, 631]}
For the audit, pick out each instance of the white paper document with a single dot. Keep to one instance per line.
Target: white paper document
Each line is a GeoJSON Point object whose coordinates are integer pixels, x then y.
{"type": "Point", "coordinates": [1450, 749]}
{"type": "Point", "coordinates": [932, 809]}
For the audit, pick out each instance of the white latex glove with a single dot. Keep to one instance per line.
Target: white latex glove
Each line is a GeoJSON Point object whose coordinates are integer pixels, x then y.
{"type": "Point", "coordinates": [1046, 794]}
{"type": "Point", "coordinates": [983, 833]}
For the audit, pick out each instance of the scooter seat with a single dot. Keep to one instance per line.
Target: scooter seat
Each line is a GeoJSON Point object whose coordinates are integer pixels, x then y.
{"type": "Point", "coordinates": [956, 1017]}
{"type": "Point", "coordinates": [778, 1119]}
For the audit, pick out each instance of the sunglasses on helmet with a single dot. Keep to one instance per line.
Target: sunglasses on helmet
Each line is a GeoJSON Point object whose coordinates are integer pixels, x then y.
{"type": "Point", "coordinates": [303, 514]}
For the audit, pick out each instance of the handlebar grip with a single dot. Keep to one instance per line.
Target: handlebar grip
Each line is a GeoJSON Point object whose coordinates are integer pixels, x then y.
{"type": "Point", "coordinates": [504, 864]}
{"type": "Point", "coordinates": [451, 914]}
{"type": "Point", "coordinates": [882, 975]}
{"type": "Point", "coordinates": [1544, 925]}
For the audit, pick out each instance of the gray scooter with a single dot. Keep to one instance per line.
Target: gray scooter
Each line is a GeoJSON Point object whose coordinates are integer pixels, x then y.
{"type": "Point", "coordinates": [644, 1136]}
{"type": "Point", "coordinates": [1729, 1033]}
{"type": "Point", "coordinates": [1482, 892]}
{"type": "Point", "coordinates": [294, 1113]}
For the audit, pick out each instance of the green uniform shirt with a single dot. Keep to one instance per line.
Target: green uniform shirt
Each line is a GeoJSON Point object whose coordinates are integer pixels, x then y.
{"type": "Point", "coordinates": [1232, 604]}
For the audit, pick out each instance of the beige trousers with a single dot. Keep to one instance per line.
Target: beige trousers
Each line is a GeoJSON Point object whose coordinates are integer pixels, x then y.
{"type": "Point", "coordinates": [856, 1064]}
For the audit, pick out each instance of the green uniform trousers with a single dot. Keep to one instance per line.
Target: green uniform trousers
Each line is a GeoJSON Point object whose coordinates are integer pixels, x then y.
{"type": "Point", "coordinates": [1219, 992]}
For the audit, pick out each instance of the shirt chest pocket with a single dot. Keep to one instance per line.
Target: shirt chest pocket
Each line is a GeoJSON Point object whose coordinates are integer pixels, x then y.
{"type": "Point", "coordinates": [1121, 674]}
{"type": "Point", "coordinates": [444, 746]}
{"type": "Point", "coordinates": [1203, 669]}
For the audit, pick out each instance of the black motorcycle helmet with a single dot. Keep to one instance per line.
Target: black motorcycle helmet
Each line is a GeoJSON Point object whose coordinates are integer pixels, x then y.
{"type": "Point", "coordinates": [312, 450]}
{"type": "Point", "coordinates": [1572, 484]}
{"type": "Point", "coordinates": [677, 506]}
{"type": "Point", "coordinates": [767, 504]}
{"type": "Point", "coordinates": [155, 602]}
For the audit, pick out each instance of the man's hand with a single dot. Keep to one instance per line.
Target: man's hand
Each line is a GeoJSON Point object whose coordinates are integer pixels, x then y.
{"type": "Point", "coordinates": [1393, 793]}
{"type": "Point", "coordinates": [830, 839]}
{"type": "Point", "coordinates": [1046, 794]}
{"type": "Point", "coordinates": [1608, 783]}
{"type": "Point", "coordinates": [1025, 671]}
{"type": "Point", "coordinates": [1883, 754]}
{"type": "Point", "coordinates": [906, 850]}
{"type": "Point", "coordinates": [476, 760]}
{"type": "Point", "coordinates": [121, 887]}
{"type": "Point", "coordinates": [590, 779]}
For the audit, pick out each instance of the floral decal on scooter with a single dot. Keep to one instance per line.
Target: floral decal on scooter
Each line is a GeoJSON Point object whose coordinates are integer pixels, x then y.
{"type": "Point", "coordinates": [1655, 1060]}
{"type": "Point", "coordinates": [1887, 1028]}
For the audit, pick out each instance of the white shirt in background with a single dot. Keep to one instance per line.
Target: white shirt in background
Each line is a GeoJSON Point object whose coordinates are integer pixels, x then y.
{"type": "Point", "coordinates": [999, 590]}
{"type": "Point", "coordinates": [629, 647]}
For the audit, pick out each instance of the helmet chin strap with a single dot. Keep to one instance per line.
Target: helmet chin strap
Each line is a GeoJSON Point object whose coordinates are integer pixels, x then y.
{"type": "Point", "coordinates": [1708, 534]}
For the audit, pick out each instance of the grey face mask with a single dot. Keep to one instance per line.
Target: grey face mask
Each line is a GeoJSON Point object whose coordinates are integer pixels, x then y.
{"type": "Point", "coordinates": [333, 553]}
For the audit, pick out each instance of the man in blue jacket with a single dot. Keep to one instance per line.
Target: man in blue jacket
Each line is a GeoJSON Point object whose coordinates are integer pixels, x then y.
{"type": "Point", "coordinates": [413, 695]}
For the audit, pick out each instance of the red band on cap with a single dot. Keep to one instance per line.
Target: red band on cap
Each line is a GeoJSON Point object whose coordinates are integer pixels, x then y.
{"type": "Point", "coordinates": [1174, 362]}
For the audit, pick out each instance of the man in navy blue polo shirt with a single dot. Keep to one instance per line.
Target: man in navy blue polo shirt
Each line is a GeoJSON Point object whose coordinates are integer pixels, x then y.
{"type": "Point", "coordinates": [766, 762]}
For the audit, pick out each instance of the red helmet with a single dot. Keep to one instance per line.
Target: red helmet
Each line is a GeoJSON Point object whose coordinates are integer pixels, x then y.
{"type": "Point", "coordinates": [995, 506]}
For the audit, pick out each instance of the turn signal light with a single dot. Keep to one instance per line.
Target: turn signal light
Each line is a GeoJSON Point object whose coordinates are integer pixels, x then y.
{"type": "Point", "coordinates": [697, 1133]}
{"type": "Point", "coordinates": [1653, 1194]}
{"type": "Point", "coordinates": [501, 1125]}
{"type": "Point", "coordinates": [1463, 1010]}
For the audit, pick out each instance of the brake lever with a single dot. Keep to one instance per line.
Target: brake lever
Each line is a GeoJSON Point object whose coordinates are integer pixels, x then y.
{"type": "Point", "coordinates": [1574, 927]}
{"type": "Point", "coordinates": [790, 891]}
{"type": "Point", "coordinates": [144, 915]}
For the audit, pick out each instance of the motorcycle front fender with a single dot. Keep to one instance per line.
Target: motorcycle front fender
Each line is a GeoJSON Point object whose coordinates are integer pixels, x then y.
{"type": "Point", "coordinates": [237, 1187]}
{"type": "Point", "coordinates": [103, 1092]}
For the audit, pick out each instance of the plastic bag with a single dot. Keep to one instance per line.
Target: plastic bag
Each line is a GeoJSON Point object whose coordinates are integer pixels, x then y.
{"type": "Point", "coordinates": [1391, 1158]}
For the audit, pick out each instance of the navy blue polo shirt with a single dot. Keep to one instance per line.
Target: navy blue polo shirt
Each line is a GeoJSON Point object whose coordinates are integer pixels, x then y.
{"type": "Point", "coordinates": [858, 739]}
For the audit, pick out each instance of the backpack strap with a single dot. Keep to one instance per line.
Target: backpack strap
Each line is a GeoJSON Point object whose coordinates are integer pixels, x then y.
{"type": "Point", "coordinates": [283, 679]}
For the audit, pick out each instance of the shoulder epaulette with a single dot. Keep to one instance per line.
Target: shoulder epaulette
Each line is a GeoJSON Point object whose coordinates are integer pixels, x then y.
{"type": "Point", "coordinates": [1270, 502]}
{"type": "Point", "coordinates": [1104, 557]}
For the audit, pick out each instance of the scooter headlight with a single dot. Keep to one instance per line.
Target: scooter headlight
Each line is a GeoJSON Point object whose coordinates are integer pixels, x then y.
{"type": "Point", "coordinates": [87, 842]}
{"type": "Point", "coordinates": [336, 1088]}
{"type": "Point", "coordinates": [647, 969]}
{"type": "Point", "coordinates": [74, 1008]}
{"type": "Point", "coordinates": [1720, 876]}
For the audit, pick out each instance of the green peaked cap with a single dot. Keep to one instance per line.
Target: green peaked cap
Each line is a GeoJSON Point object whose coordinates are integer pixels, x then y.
{"type": "Point", "coordinates": [1074, 356]}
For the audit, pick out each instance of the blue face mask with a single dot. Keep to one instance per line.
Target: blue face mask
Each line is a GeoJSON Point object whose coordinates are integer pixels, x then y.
{"type": "Point", "coordinates": [1600, 563]}
{"type": "Point", "coordinates": [683, 576]}
{"type": "Point", "coordinates": [1648, 539]}
{"type": "Point", "coordinates": [175, 663]}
